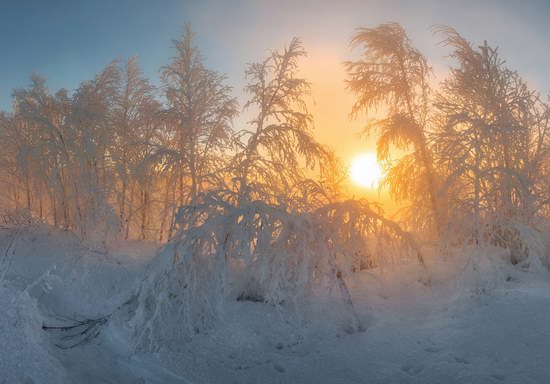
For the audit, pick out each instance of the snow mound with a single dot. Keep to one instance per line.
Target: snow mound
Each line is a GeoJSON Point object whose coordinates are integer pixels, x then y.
{"type": "Point", "coordinates": [24, 357]}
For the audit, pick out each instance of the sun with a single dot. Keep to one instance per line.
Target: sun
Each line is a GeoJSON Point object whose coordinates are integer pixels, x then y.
{"type": "Point", "coordinates": [365, 171]}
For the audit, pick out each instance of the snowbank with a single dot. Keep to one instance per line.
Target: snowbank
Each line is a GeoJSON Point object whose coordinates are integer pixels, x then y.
{"type": "Point", "coordinates": [24, 348]}
{"type": "Point", "coordinates": [442, 333]}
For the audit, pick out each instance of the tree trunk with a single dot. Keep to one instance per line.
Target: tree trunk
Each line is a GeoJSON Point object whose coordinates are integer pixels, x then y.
{"type": "Point", "coordinates": [40, 207]}
{"type": "Point", "coordinates": [166, 208]}
{"type": "Point", "coordinates": [28, 186]}
{"type": "Point", "coordinates": [130, 212]}
{"type": "Point", "coordinates": [15, 194]}
{"type": "Point", "coordinates": [145, 199]}
{"type": "Point", "coordinates": [54, 203]}
{"type": "Point", "coordinates": [122, 206]}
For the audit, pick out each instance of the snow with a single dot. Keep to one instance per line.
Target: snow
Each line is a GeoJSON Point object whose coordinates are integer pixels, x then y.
{"type": "Point", "coordinates": [24, 356]}
{"type": "Point", "coordinates": [442, 333]}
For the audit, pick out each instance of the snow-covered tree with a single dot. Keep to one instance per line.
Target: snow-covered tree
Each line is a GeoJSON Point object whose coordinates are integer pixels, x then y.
{"type": "Point", "coordinates": [136, 118]}
{"type": "Point", "coordinates": [42, 119]}
{"type": "Point", "coordinates": [394, 75]}
{"type": "Point", "coordinates": [199, 112]}
{"type": "Point", "coordinates": [8, 165]}
{"type": "Point", "coordinates": [92, 134]}
{"type": "Point", "coordinates": [491, 144]}
{"type": "Point", "coordinates": [279, 141]}
{"type": "Point", "coordinates": [261, 252]}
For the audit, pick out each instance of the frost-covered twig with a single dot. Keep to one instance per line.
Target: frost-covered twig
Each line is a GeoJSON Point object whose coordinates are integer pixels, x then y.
{"type": "Point", "coordinates": [77, 332]}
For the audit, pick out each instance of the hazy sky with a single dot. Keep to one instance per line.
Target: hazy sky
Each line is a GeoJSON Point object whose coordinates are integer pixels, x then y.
{"type": "Point", "coordinates": [69, 41]}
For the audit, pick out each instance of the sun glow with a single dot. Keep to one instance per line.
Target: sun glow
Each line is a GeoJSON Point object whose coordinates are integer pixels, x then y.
{"type": "Point", "coordinates": [365, 171]}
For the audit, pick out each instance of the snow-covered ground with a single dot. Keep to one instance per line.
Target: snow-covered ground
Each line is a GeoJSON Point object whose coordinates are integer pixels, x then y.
{"type": "Point", "coordinates": [414, 333]}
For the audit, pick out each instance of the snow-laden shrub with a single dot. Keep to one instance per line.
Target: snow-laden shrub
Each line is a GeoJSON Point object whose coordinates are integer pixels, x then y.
{"type": "Point", "coordinates": [496, 241]}
{"type": "Point", "coordinates": [528, 243]}
{"type": "Point", "coordinates": [102, 228]}
{"type": "Point", "coordinates": [17, 218]}
{"type": "Point", "coordinates": [482, 273]}
{"type": "Point", "coordinates": [252, 251]}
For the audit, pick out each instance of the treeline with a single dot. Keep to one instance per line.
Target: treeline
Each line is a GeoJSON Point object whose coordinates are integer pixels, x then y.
{"type": "Point", "coordinates": [476, 168]}
{"type": "Point", "coordinates": [113, 157]}
{"type": "Point", "coordinates": [120, 156]}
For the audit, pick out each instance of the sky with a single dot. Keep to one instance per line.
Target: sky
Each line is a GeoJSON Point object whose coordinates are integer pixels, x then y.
{"type": "Point", "coordinates": [69, 41]}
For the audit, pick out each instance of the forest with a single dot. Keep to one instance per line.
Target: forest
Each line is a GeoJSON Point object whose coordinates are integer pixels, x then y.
{"type": "Point", "coordinates": [259, 212]}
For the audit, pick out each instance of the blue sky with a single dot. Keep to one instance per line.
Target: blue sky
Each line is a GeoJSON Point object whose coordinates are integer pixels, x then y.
{"type": "Point", "coordinates": [68, 41]}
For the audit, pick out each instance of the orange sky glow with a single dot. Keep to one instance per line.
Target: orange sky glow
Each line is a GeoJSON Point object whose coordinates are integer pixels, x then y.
{"type": "Point", "coordinates": [325, 30]}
